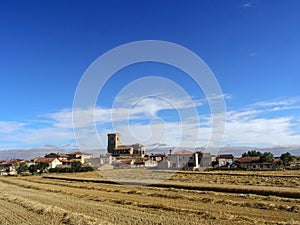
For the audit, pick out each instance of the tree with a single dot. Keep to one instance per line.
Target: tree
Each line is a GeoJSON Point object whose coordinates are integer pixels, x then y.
{"type": "Point", "coordinates": [286, 158]}
{"type": "Point", "coordinates": [267, 157]}
{"type": "Point", "coordinates": [33, 169]}
{"type": "Point", "coordinates": [38, 167]}
{"type": "Point", "coordinates": [252, 153]}
{"type": "Point", "coordinates": [22, 167]}
{"type": "Point", "coordinates": [42, 166]}
{"type": "Point", "coordinates": [76, 166]}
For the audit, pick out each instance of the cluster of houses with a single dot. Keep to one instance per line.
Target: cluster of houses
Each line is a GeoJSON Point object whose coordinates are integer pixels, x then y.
{"type": "Point", "coordinates": [135, 156]}
{"type": "Point", "coordinates": [53, 159]}
{"type": "Point", "coordinates": [132, 156]}
{"type": "Point", "coordinates": [182, 159]}
{"type": "Point", "coordinates": [187, 160]}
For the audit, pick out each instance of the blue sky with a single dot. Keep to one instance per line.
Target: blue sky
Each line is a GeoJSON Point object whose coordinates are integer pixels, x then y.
{"type": "Point", "coordinates": [252, 47]}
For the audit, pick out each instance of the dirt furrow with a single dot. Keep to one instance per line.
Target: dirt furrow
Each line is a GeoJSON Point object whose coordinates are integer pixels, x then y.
{"type": "Point", "coordinates": [120, 204]}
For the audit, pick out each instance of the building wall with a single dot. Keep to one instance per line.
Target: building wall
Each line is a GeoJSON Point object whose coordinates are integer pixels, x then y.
{"type": "Point", "coordinates": [204, 160]}
{"type": "Point", "coordinates": [151, 163]}
{"type": "Point", "coordinates": [113, 141]}
{"type": "Point", "coordinates": [84, 158]}
{"type": "Point", "coordinates": [55, 163]}
{"type": "Point", "coordinates": [114, 147]}
{"type": "Point", "coordinates": [139, 149]}
{"type": "Point", "coordinates": [180, 160]}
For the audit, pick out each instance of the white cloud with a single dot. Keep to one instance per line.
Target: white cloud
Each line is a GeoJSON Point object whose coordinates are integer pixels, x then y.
{"type": "Point", "coordinates": [7, 127]}
{"type": "Point", "coordinates": [277, 102]}
{"type": "Point", "coordinates": [247, 5]}
{"type": "Point", "coordinates": [259, 124]}
{"type": "Point", "coordinates": [261, 132]}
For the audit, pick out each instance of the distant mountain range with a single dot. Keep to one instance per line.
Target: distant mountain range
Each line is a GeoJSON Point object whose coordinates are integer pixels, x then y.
{"type": "Point", "coordinates": [42, 150]}
{"type": "Point", "coordinates": [39, 152]}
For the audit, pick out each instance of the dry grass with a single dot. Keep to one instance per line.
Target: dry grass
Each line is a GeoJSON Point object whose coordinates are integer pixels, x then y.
{"type": "Point", "coordinates": [34, 199]}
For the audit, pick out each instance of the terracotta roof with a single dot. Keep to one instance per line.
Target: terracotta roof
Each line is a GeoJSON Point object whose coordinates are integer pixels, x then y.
{"type": "Point", "coordinates": [138, 161]}
{"type": "Point", "coordinates": [47, 160]}
{"type": "Point", "coordinates": [247, 159]}
{"type": "Point", "coordinates": [182, 152]}
{"type": "Point", "coordinates": [225, 156]}
{"type": "Point", "coordinates": [11, 162]}
{"type": "Point", "coordinates": [123, 161]}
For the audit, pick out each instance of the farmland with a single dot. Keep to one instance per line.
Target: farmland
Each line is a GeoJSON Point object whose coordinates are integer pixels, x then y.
{"type": "Point", "coordinates": [184, 198]}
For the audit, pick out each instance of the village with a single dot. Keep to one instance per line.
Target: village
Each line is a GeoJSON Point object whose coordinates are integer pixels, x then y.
{"type": "Point", "coordinates": [135, 156]}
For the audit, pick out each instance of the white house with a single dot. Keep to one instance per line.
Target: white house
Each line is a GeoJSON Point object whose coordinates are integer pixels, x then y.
{"type": "Point", "coordinates": [9, 168]}
{"type": "Point", "coordinates": [181, 159]}
{"type": "Point", "coordinates": [80, 156]}
{"type": "Point", "coordinates": [53, 162]}
{"type": "Point", "coordinates": [224, 160]}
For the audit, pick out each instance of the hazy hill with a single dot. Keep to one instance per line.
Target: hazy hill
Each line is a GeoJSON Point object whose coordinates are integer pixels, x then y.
{"type": "Point", "coordinates": [42, 150]}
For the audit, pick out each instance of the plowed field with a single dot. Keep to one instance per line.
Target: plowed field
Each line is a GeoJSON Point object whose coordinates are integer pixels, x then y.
{"type": "Point", "coordinates": [186, 198]}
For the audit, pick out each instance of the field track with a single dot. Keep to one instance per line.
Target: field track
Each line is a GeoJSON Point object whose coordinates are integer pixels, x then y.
{"type": "Point", "coordinates": [64, 200]}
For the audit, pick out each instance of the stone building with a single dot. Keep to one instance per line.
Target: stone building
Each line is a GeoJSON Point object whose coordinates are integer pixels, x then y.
{"type": "Point", "coordinates": [116, 149]}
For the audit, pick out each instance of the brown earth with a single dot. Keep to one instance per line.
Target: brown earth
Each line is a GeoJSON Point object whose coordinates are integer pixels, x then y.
{"type": "Point", "coordinates": [185, 198]}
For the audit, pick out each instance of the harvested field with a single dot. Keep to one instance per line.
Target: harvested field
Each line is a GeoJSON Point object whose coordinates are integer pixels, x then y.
{"type": "Point", "coordinates": [186, 198]}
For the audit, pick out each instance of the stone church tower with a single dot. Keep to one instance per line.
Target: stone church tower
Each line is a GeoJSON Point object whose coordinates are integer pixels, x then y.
{"type": "Point", "coordinates": [113, 142]}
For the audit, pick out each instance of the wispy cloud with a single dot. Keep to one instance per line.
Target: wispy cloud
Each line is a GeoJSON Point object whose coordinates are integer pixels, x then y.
{"type": "Point", "coordinates": [277, 102]}
{"type": "Point", "coordinates": [7, 127]}
{"type": "Point", "coordinates": [247, 4]}
{"type": "Point", "coordinates": [258, 124]}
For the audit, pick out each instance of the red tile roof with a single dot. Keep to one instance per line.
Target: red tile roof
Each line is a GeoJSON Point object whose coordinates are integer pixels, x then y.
{"type": "Point", "coordinates": [47, 160]}
{"type": "Point", "coordinates": [11, 162]}
{"type": "Point", "coordinates": [138, 161]}
{"type": "Point", "coordinates": [247, 159]}
{"type": "Point", "coordinates": [225, 156]}
{"type": "Point", "coordinates": [123, 161]}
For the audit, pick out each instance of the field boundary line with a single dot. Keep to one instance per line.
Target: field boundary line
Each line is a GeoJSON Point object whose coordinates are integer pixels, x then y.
{"type": "Point", "coordinates": [230, 174]}
{"type": "Point", "coordinates": [258, 190]}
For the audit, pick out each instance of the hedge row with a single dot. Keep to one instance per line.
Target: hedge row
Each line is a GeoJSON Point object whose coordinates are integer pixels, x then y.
{"type": "Point", "coordinates": [70, 170]}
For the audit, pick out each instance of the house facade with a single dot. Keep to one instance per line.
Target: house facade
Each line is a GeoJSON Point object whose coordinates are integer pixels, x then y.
{"type": "Point", "coordinates": [224, 160]}
{"type": "Point", "coordinates": [10, 167]}
{"type": "Point", "coordinates": [181, 159]}
{"type": "Point", "coordinates": [53, 162]}
{"type": "Point", "coordinates": [202, 160]}
{"type": "Point", "coordinates": [58, 155]}
{"type": "Point", "coordinates": [139, 149]}
{"type": "Point", "coordinates": [253, 163]}
{"type": "Point", "coordinates": [79, 156]}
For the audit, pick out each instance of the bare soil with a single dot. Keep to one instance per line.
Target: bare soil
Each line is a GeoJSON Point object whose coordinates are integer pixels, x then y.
{"type": "Point", "coordinates": [89, 198]}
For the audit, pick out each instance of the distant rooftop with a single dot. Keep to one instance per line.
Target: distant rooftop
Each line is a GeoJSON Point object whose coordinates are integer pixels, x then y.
{"type": "Point", "coordinates": [182, 152]}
